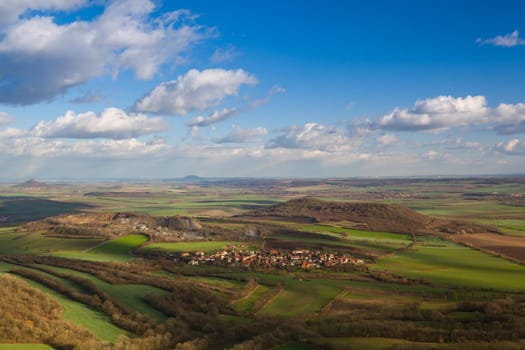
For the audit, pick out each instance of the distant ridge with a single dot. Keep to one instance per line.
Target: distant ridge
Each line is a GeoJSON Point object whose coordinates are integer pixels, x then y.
{"type": "Point", "coordinates": [34, 184]}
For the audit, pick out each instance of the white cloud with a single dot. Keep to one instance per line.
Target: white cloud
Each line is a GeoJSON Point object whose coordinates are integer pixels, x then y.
{"type": "Point", "coordinates": [387, 139]}
{"type": "Point", "coordinates": [212, 118]}
{"type": "Point", "coordinates": [240, 135]}
{"type": "Point", "coordinates": [111, 123]}
{"type": "Point", "coordinates": [23, 153]}
{"type": "Point", "coordinates": [512, 147]}
{"type": "Point", "coordinates": [437, 113]}
{"type": "Point", "coordinates": [5, 118]}
{"type": "Point", "coordinates": [507, 40]}
{"type": "Point", "coordinates": [59, 56]}
{"type": "Point", "coordinates": [225, 55]}
{"type": "Point", "coordinates": [444, 112]}
{"type": "Point", "coordinates": [20, 144]}
{"type": "Point", "coordinates": [510, 118]}
{"type": "Point", "coordinates": [11, 10]}
{"type": "Point", "coordinates": [314, 136]}
{"type": "Point", "coordinates": [10, 133]}
{"type": "Point", "coordinates": [194, 91]}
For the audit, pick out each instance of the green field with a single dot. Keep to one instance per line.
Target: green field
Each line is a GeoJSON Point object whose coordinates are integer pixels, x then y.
{"type": "Point", "coordinates": [205, 246]}
{"type": "Point", "coordinates": [514, 227]}
{"type": "Point", "coordinates": [39, 243]}
{"type": "Point", "coordinates": [451, 264]}
{"type": "Point", "coordinates": [10, 243]}
{"type": "Point", "coordinates": [300, 295]}
{"type": "Point", "coordinates": [247, 303]}
{"type": "Point", "coordinates": [303, 297]}
{"type": "Point", "coordinates": [119, 249]}
{"type": "Point", "coordinates": [129, 294]}
{"type": "Point", "coordinates": [120, 246]}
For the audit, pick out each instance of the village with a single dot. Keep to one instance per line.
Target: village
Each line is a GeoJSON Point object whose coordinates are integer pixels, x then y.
{"type": "Point", "coordinates": [273, 258]}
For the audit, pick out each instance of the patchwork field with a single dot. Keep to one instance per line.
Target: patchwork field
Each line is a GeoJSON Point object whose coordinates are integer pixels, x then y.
{"type": "Point", "coordinates": [411, 290]}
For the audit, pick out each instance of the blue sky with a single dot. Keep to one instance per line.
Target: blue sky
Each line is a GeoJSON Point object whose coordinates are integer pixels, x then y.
{"type": "Point", "coordinates": [141, 88]}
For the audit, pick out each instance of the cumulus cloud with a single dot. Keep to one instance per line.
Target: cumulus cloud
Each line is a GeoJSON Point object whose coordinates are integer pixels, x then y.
{"type": "Point", "coordinates": [194, 91]}
{"type": "Point", "coordinates": [444, 112]}
{"type": "Point", "coordinates": [59, 56]}
{"type": "Point", "coordinates": [510, 118]}
{"type": "Point", "coordinates": [315, 136]}
{"type": "Point", "coordinates": [241, 135]}
{"type": "Point", "coordinates": [507, 40]}
{"type": "Point", "coordinates": [437, 113]}
{"type": "Point", "coordinates": [512, 147]}
{"type": "Point", "coordinates": [111, 123]}
{"type": "Point", "coordinates": [5, 118]}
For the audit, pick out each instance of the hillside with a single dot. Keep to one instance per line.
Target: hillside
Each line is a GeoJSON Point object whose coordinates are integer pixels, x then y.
{"type": "Point", "coordinates": [370, 216]}
{"type": "Point", "coordinates": [373, 216]}
{"type": "Point", "coordinates": [111, 225]}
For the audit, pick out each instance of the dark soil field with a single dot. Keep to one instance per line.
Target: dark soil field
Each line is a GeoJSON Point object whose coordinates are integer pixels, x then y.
{"type": "Point", "coordinates": [507, 246]}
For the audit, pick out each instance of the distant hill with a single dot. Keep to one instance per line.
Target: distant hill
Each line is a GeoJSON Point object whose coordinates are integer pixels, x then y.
{"type": "Point", "coordinates": [366, 215]}
{"type": "Point", "coordinates": [373, 216]}
{"type": "Point", "coordinates": [34, 184]}
{"type": "Point", "coordinates": [192, 178]}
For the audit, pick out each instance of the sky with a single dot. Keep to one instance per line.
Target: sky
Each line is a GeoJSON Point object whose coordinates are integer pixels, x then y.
{"type": "Point", "coordinates": [96, 89]}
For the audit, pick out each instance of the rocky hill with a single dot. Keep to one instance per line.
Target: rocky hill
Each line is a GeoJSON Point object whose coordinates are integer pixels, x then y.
{"type": "Point", "coordinates": [111, 225]}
